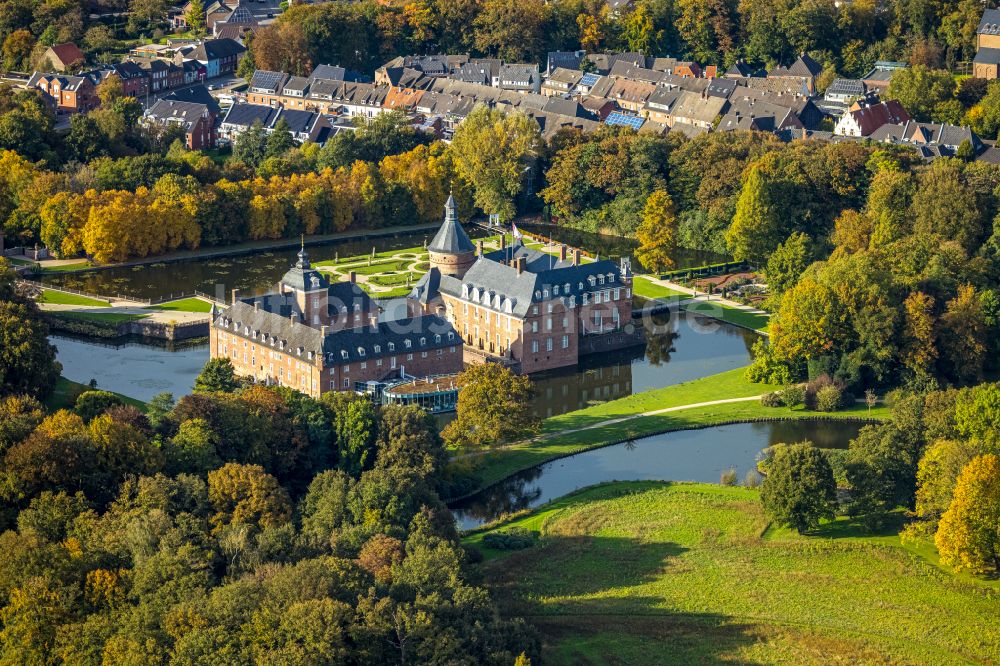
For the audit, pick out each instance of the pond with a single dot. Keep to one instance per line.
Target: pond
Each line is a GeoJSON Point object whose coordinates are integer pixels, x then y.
{"type": "Point", "coordinates": [134, 367]}
{"type": "Point", "coordinates": [679, 349]}
{"type": "Point", "coordinates": [688, 455]}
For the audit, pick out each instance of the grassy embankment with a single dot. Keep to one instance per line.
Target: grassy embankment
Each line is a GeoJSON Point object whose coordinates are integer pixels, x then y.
{"type": "Point", "coordinates": [588, 428]}
{"type": "Point", "coordinates": [66, 392]}
{"type": "Point", "coordinates": [184, 305]}
{"type": "Point", "coordinates": [729, 314]}
{"type": "Point", "coordinates": [65, 298]}
{"type": "Point", "coordinates": [642, 286]}
{"type": "Point", "coordinates": [657, 573]}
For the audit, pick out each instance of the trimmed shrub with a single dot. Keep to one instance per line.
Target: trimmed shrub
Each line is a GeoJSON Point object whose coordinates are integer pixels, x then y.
{"type": "Point", "coordinates": [91, 404]}
{"type": "Point", "coordinates": [793, 396]}
{"type": "Point", "coordinates": [515, 538]}
{"type": "Point", "coordinates": [829, 398]}
{"type": "Point", "coordinates": [771, 399]}
{"type": "Point", "coordinates": [752, 479]}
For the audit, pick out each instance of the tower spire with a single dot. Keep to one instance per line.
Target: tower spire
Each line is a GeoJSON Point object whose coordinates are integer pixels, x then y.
{"type": "Point", "coordinates": [303, 261]}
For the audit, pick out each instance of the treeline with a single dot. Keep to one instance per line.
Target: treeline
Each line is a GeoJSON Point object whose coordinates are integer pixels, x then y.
{"type": "Point", "coordinates": [114, 208]}
{"type": "Point", "coordinates": [935, 464]}
{"type": "Point", "coordinates": [252, 523]}
{"type": "Point", "coordinates": [846, 37]}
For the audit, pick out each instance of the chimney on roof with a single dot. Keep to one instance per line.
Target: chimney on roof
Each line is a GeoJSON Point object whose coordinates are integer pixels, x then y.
{"type": "Point", "coordinates": [352, 277]}
{"type": "Point", "coordinates": [521, 263]}
{"type": "Point", "coordinates": [576, 257]}
{"type": "Point", "coordinates": [256, 306]}
{"type": "Point", "coordinates": [322, 331]}
{"type": "Point", "coordinates": [479, 248]}
{"type": "Point", "coordinates": [236, 294]}
{"type": "Point", "coordinates": [562, 252]}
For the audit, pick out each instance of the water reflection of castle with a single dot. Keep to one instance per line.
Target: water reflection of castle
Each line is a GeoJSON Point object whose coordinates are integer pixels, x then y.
{"type": "Point", "coordinates": [596, 379]}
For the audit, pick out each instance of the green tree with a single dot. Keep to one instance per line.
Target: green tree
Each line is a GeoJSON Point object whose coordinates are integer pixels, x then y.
{"type": "Point", "coordinates": [920, 90]}
{"type": "Point", "coordinates": [250, 147]}
{"type": "Point", "coordinates": [657, 233]}
{"type": "Point", "coordinates": [937, 473]}
{"type": "Point", "coordinates": [247, 495]}
{"type": "Point", "coordinates": [754, 232]}
{"type": "Point", "coordinates": [192, 450]}
{"type": "Point", "coordinates": [195, 16]}
{"type": "Point", "coordinates": [19, 416]}
{"type": "Point", "coordinates": [28, 363]}
{"type": "Point", "coordinates": [799, 489]}
{"type": "Point", "coordinates": [279, 141]}
{"type": "Point", "coordinates": [356, 427]}
{"type": "Point", "coordinates": [787, 263]}
{"type": "Point", "coordinates": [881, 471]}
{"type": "Point", "coordinates": [512, 30]}
{"type": "Point", "coordinates": [218, 376]}
{"type": "Point", "coordinates": [91, 404]}
{"type": "Point", "coordinates": [968, 536]}
{"type": "Point", "coordinates": [638, 31]}
{"type": "Point", "coordinates": [494, 406]}
{"type": "Point", "coordinates": [491, 150]}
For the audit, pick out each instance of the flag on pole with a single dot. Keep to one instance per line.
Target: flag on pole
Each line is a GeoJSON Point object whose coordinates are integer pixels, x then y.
{"type": "Point", "coordinates": [517, 233]}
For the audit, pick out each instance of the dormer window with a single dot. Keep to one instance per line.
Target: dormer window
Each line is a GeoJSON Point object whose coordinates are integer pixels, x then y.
{"type": "Point", "coordinates": [538, 294]}
{"type": "Point", "coordinates": [555, 290]}
{"type": "Point", "coordinates": [299, 351]}
{"type": "Point", "coordinates": [451, 336]}
{"type": "Point", "coordinates": [343, 354]}
{"type": "Point", "coordinates": [407, 343]}
{"type": "Point", "coordinates": [437, 338]}
{"type": "Point", "coordinates": [601, 279]}
{"type": "Point", "coordinates": [392, 346]}
{"type": "Point", "coordinates": [423, 341]}
{"type": "Point", "coordinates": [361, 351]}
{"type": "Point", "coordinates": [378, 349]}
{"type": "Point", "coordinates": [545, 293]}
{"type": "Point", "coordinates": [566, 287]}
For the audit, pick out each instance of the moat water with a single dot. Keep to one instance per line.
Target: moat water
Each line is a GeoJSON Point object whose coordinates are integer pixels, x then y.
{"type": "Point", "coordinates": [689, 455]}
{"type": "Point", "coordinates": [679, 348]}
{"type": "Point", "coordinates": [259, 271]}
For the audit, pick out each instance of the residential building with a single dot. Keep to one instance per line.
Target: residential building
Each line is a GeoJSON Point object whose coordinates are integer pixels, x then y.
{"type": "Point", "coordinates": [64, 93]}
{"type": "Point", "coordinates": [697, 110]}
{"type": "Point", "coordinates": [66, 57]}
{"type": "Point", "coordinates": [316, 337]}
{"type": "Point", "coordinates": [561, 81]}
{"type": "Point", "coordinates": [219, 56]}
{"type": "Point", "coordinates": [932, 140]}
{"type": "Point", "coordinates": [135, 80]}
{"type": "Point", "coordinates": [241, 117]}
{"type": "Point", "coordinates": [197, 121]}
{"type": "Point", "coordinates": [800, 75]}
{"type": "Point", "coordinates": [863, 119]}
{"type": "Point", "coordinates": [563, 60]}
{"type": "Point", "coordinates": [157, 71]}
{"type": "Point", "coordinates": [521, 78]}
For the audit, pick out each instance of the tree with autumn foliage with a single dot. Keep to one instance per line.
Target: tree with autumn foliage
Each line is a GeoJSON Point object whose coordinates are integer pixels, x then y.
{"type": "Point", "coordinates": [657, 234]}
{"type": "Point", "coordinates": [968, 536]}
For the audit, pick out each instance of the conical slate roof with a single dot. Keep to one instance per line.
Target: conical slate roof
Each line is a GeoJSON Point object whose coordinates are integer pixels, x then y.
{"type": "Point", "coordinates": [451, 237]}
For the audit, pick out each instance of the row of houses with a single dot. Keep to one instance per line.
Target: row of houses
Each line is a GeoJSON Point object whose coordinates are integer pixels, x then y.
{"type": "Point", "coordinates": [149, 70]}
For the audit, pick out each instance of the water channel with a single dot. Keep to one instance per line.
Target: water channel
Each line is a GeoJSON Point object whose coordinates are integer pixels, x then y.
{"type": "Point", "coordinates": [690, 455]}
{"type": "Point", "coordinates": [679, 349]}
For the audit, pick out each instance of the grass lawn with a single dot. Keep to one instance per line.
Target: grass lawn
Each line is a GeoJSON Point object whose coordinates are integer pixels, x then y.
{"type": "Point", "coordinates": [393, 265]}
{"type": "Point", "coordinates": [100, 317]}
{"type": "Point", "coordinates": [394, 279]}
{"type": "Point", "coordinates": [558, 439]}
{"type": "Point", "coordinates": [397, 292]}
{"type": "Point", "coordinates": [729, 314]}
{"type": "Point", "coordinates": [64, 298]}
{"type": "Point", "coordinates": [66, 392]}
{"type": "Point", "coordinates": [657, 573]}
{"type": "Point", "coordinates": [643, 287]}
{"type": "Point", "coordinates": [184, 305]}
{"type": "Point", "coordinates": [62, 268]}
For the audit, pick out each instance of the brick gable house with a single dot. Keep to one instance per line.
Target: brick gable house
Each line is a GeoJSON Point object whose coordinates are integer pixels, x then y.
{"type": "Point", "coordinates": [64, 93]}
{"type": "Point", "coordinates": [65, 57]}
{"type": "Point", "coordinates": [197, 121]}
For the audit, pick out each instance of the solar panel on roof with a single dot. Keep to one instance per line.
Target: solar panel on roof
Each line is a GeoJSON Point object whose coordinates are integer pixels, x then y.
{"type": "Point", "coordinates": [623, 120]}
{"type": "Point", "coordinates": [589, 79]}
{"type": "Point", "coordinates": [265, 79]}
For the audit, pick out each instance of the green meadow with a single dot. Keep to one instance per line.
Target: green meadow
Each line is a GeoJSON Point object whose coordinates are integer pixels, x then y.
{"type": "Point", "coordinates": [671, 573]}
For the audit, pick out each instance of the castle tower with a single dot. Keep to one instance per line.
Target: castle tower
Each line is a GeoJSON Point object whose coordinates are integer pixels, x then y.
{"type": "Point", "coordinates": [451, 251]}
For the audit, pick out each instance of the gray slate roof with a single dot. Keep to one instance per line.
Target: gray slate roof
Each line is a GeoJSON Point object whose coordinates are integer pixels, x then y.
{"type": "Point", "coordinates": [244, 115]}
{"type": "Point", "coordinates": [451, 237]}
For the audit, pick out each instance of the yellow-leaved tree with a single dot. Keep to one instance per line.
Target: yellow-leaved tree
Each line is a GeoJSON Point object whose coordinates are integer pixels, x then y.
{"type": "Point", "coordinates": [657, 233]}
{"type": "Point", "coordinates": [968, 536]}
